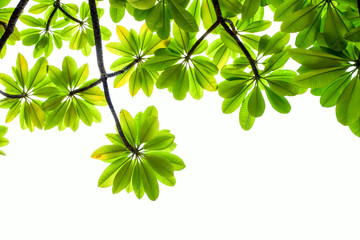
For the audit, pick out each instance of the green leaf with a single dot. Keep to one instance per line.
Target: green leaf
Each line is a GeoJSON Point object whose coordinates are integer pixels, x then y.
{"type": "Point", "coordinates": [182, 17]}
{"type": "Point", "coordinates": [10, 84]}
{"type": "Point", "coordinates": [181, 86]}
{"type": "Point", "coordinates": [315, 59]}
{"type": "Point", "coordinates": [279, 103]}
{"type": "Point", "coordinates": [107, 177]}
{"type": "Point", "coordinates": [57, 78]}
{"type": "Point", "coordinates": [123, 177]}
{"type": "Point", "coordinates": [331, 94]}
{"type": "Point", "coordinates": [256, 105]}
{"type": "Point", "coordinates": [137, 182]}
{"type": "Point", "coordinates": [3, 142]}
{"type": "Point", "coordinates": [68, 70]}
{"type": "Point", "coordinates": [195, 90]}
{"type": "Point", "coordinates": [22, 70]}
{"type": "Point", "coordinates": [135, 82]}
{"type": "Point", "coordinates": [149, 129]}
{"type": "Point", "coordinates": [355, 128]}
{"type": "Point", "coordinates": [3, 130]}
{"type": "Point", "coordinates": [257, 26]}
{"type": "Point", "coordinates": [347, 107]}
{"type": "Point", "coordinates": [142, 4]}
{"type": "Point", "coordinates": [307, 37]}
{"type": "Point", "coordinates": [277, 61]}
{"type": "Point", "coordinates": [31, 21]}
{"type": "Point", "coordinates": [117, 14]}
{"type": "Point", "coordinates": [56, 116]}
{"type": "Point", "coordinates": [149, 181]}
{"type": "Point", "coordinates": [353, 35]}
{"type": "Point", "coordinates": [319, 77]}
{"type": "Point", "coordinates": [249, 9]}
{"type": "Point", "coordinates": [128, 126]}
{"type": "Point", "coordinates": [334, 30]}
{"type": "Point", "coordinates": [13, 111]}
{"type": "Point", "coordinates": [208, 15]}
{"type": "Point", "coordinates": [159, 164]}
{"type": "Point", "coordinates": [299, 20]}
{"type": "Point", "coordinates": [245, 119]}
{"type": "Point", "coordinates": [161, 141]}
{"type": "Point", "coordinates": [228, 89]}
{"type": "Point", "coordinates": [37, 115]}
{"type": "Point", "coordinates": [37, 74]}
{"type": "Point", "coordinates": [231, 104]}
{"type": "Point", "coordinates": [161, 62]}
{"type": "Point", "coordinates": [181, 37]}
{"type": "Point", "coordinates": [277, 43]}
{"type": "Point", "coordinates": [204, 71]}
{"type": "Point", "coordinates": [109, 153]}
{"type": "Point", "coordinates": [176, 162]}
{"type": "Point", "coordinates": [169, 76]}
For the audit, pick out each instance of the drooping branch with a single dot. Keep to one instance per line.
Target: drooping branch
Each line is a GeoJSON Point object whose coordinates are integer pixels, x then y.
{"type": "Point", "coordinates": [12, 22]}
{"type": "Point", "coordinates": [223, 21]}
{"type": "Point", "coordinates": [101, 65]}
{"type": "Point", "coordinates": [57, 4]}
{"type": "Point", "coordinates": [52, 14]}
{"type": "Point", "coordinates": [197, 43]}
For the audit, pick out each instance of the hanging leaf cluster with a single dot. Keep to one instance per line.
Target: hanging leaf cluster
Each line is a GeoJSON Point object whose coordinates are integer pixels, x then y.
{"type": "Point", "coordinates": [152, 161]}
{"type": "Point", "coordinates": [60, 23]}
{"type": "Point", "coordinates": [61, 107]}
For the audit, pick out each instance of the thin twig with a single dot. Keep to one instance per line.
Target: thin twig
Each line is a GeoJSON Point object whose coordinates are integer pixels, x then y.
{"type": "Point", "coordinates": [12, 22]}
{"type": "Point", "coordinates": [109, 75]}
{"type": "Point", "coordinates": [100, 60]}
{"type": "Point", "coordinates": [51, 17]}
{"type": "Point", "coordinates": [10, 96]}
{"type": "Point", "coordinates": [235, 37]}
{"type": "Point", "coordinates": [68, 14]}
{"type": "Point", "coordinates": [197, 43]}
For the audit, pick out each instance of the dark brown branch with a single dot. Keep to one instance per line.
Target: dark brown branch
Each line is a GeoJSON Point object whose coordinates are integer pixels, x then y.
{"type": "Point", "coordinates": [197, 43]}
{"type": "Point", "coordinates": [97, 37]}
{"type": "Point", "coordinates": [12, 22]}
{"type": "Point", "coordinates": [10, 96]}
{"type": "Point", "coordinates": [117, 121]}
{"type": "Point", "coordinates": [109, 75]}
{"type": "Point", "coordinates": [100, 60]}
{"type": "Point", "coordinates": [51, 17]}
{"type": "Point", "coordinates": [235, 37]}
{"type": "Point", "coordinates": [67, 14]}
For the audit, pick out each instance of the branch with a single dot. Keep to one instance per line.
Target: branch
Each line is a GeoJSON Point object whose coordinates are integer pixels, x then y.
{"type": "Point", "coordinates": [117, 121]}
{"type": "Point", "coordinates": [97, 37]}
{"type": "Point", "coordinates": [234, 36]}
{"type": "Point", "coordinates": [109, 75]}
{"type": "Point", "coordinates": [51, 17]}
{"type": "Point", "coordinates": [104, 75]}
{"type": "Point", "coordinates": [57, 4]}
{"type": "Point", "coordinates": [10, 96]}
{"type": "Point", "coordinates": [12, 22]}
{"type": "Point", "coordinates": [197, 43]}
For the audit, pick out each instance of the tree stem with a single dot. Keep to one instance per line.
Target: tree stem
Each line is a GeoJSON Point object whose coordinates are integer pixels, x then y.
{"type": "Point", "coordinates": [103, 78]}
{"type": "Point", "coordinates": [235, 37]}
{"type": "Point", "coordinates": [197, 43]}
{"type": "Point", "coordinates": [12, 22]}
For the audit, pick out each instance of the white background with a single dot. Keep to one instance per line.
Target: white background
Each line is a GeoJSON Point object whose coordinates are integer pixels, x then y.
{"type": "Point", "coordinates": [293, 176]}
